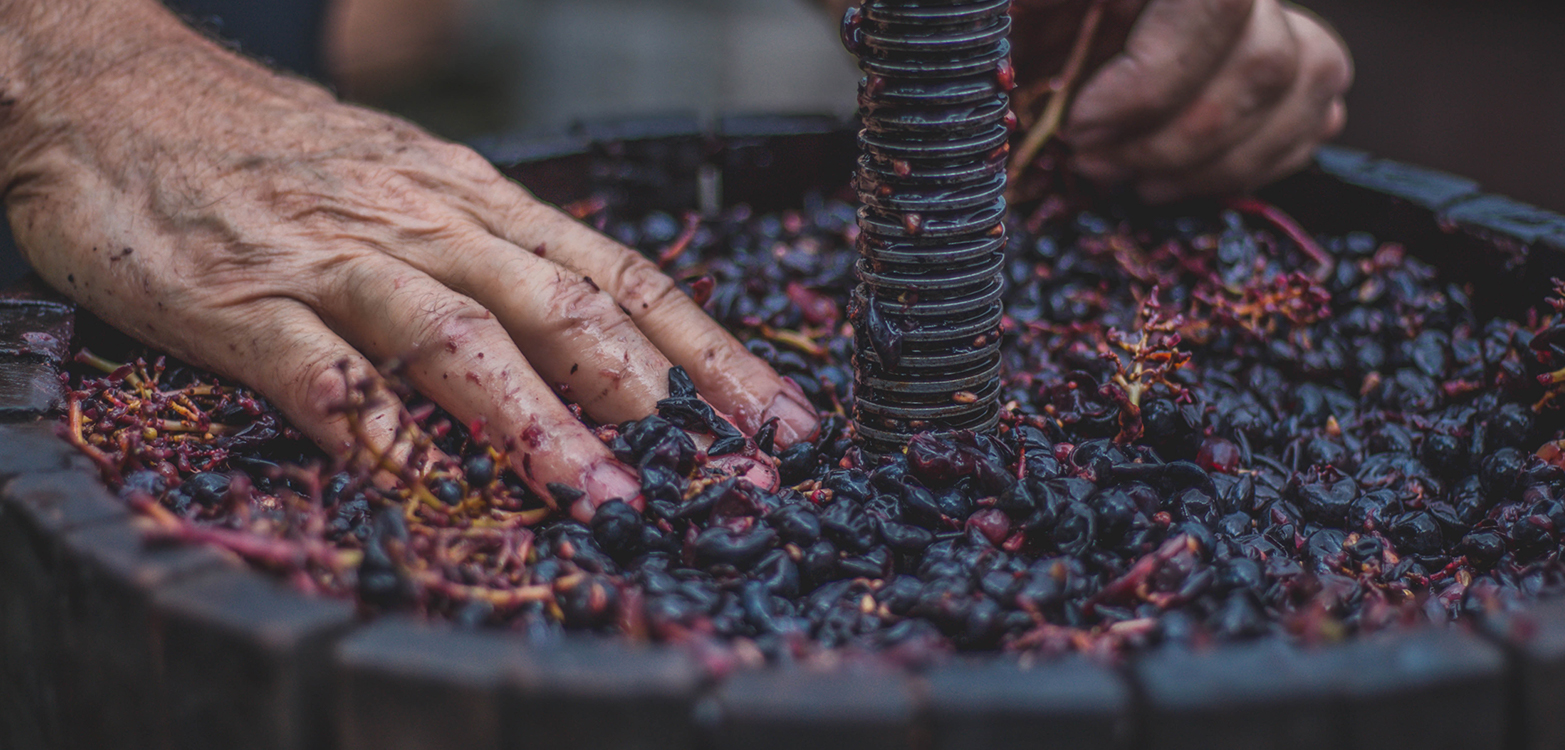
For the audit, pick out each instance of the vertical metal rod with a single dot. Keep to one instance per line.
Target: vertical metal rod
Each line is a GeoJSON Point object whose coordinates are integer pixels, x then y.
{"type": "Point", "coordinates": [931, 185]}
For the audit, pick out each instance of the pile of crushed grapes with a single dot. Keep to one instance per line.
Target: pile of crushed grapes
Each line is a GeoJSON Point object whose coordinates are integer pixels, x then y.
{"type": "Point", "coordinates": [1216, 427]}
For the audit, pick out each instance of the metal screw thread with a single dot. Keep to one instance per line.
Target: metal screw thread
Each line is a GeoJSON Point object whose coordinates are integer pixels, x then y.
{"type": "Point", "coordinates": [931, 186]}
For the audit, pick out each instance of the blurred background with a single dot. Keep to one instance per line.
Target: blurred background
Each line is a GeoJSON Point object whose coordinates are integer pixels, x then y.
{"type": "Point", "coordinates": [469, 67]}
{"type": "Point", "coordinates": [1475, 87]}
{"type": "Point", "coordinates": [1472, 87]}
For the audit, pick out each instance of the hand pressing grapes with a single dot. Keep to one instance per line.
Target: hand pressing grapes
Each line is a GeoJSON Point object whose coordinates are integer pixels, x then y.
{"type": "Point", "coordinates": [251, 224]}
{"type": "Point", "coordinates": [1188, 97]}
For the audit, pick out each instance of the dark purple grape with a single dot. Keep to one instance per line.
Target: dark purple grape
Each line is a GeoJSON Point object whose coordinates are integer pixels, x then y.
{"type": "Point", "coordinates": [1325, 546]}
{"type": "Point", "coordinates": [480, 470]}
{"type": "Point", "coordinates": [591, 602]}
{"type": "Point", "coordinates": [1116, 510]}
{"type": "Point", "coordinates": [1076, 529]}
{"type": "Point", "coordinates": [845, 523]}
{"type": "Point", "coordinates": [618, 529]}
{"type": "Point", "coordinates": [208, 488]}
{"type": "Point", "coordinates": [798, 463]}
{"type": "Point", "coordinates": [1417, 533]}
{"type": "Point", "coordinates": [778, 573]}
{"type": "Point", "coordinates": [721, 545]}
{"type": "Point", "coordinates": [1365, 549]}
{"type": "Point", "coordinates": [1194, 505]}
{"type": "Point", "coordinates": [1500, 472]}
{"type": "Point", "coordinates": [1510, 426]}
{"type": "Point", "coordinates": [1390, 438]}
{"type": "Point", "coordinates": [993, 524]}
{"type": "Point", "coordinates": [1297, 466]}
{"type": "Point", "coordinates": [1446, 455]}
{"type": "Point", "coordinates": [1328, 504]}
{"type": "Point", "coordinates": [1483, 548]}
{"type": "Point", "coordinates": [149, 483]}
{"type": "Point", "coordinates": [382, 582]}
{"type": "Point", "coordinates": [797, 524]}
{"type": "Point", "coordinates": [900, 594]}
{"type": "Point", "coordinates": [849, 484]}
{"type": "Point", "coordinates": [906, 538]}
{"type": "Point", "coordinates": [448, 491]}
{"type": "Point", "coordinates": [935, 461]}
{"type": "Point", "coordinates": [1239, 618]}
{"type": "Point", "coordinates": [820, 561]}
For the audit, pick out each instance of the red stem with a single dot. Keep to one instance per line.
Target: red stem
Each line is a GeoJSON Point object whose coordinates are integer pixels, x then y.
{"type": "Point", "coordinates": [1284, 223]}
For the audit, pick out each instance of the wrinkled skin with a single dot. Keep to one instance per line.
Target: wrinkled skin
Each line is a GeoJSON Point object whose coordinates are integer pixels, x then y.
{"type": "Point", "coordinates": [251, 224]}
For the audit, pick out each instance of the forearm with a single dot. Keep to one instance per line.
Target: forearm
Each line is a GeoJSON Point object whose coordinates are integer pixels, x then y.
{"type": "Point", "coordinates": [96, 70]}
{"type": "Point", "coordinates": [56, 54]}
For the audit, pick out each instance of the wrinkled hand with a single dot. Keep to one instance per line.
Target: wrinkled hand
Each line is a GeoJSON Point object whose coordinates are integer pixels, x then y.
{"type": "Point", "coordinates": [251, 224]}
{"type": "Point", "coordinates": [1191, 97]}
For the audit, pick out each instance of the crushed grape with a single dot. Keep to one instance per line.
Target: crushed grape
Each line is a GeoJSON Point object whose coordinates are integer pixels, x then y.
{"type": "Point", "coordinates": [1210, 433]}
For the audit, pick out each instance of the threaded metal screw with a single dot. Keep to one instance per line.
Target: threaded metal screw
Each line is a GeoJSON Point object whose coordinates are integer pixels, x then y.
{"type": "Point", "coordinates": [931, 185]}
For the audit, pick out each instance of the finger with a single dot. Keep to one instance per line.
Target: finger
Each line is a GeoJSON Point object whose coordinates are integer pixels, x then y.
{"type": "Point", "coordinates": [1174, 49]}
{"type": "Point", "coordinates": [1281, 148]}
{"type": "Point", "coordinates": [734, 380]}
{"type": "Point", "coordinates": [1230, 109]}
{"type": "Point", "coordinates": [459, 355]}
{"type": "Point", "coordinates": [1311, 112]}
{"type": "Point", "coordinates": [308, 372]}
{"type": "Point", "coordinates": [571, 331]}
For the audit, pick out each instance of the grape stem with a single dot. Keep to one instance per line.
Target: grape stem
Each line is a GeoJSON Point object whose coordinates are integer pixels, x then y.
{"type": "Point", "coordinates": [73, 435]}
{"type": "Point", "coordinates": [1060, 89]}
{"type": "Point", "coordinates": [1324, 265]}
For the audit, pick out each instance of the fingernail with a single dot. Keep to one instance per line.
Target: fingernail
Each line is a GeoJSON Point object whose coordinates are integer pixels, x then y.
{"type": "Point", "coordinates": [758, 473]}
{"type": "Point", "coordinates": [796, 420]}
{"type": "Point", "coordinates": [585, 507]}
{"type": "Point", "coordinates": [583, 510]}
{"type": "Point", "coordinates": [607, 481]}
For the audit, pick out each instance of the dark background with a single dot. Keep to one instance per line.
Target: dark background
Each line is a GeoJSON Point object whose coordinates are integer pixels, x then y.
{"type": "Point", "coordinates": [1475, 87]}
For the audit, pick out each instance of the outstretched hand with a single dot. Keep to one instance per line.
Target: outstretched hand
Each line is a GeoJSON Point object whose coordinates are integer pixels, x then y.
{"type": "Point", "coordinates": [251, 224]}
{"type": "Point", "coordinates": [1190, 97]}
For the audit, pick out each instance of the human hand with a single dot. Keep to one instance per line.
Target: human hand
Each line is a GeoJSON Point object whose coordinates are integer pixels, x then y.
{"type": "Point", "coordinates": [251, 224]}
{"type": "Point", "coordinates": [1192, 97]}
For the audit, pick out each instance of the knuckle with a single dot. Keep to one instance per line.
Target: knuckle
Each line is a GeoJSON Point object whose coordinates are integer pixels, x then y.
{"type": "Point", "coordinates": [720, 352]}
{"type": "Point", "coordinates": [642, 288]}
{"type": "Point", "coordinates": [1188, 140]}
{"type": "Point", "coordinates": [1145, 96]}
{"type": "Point", "coordinates": [465, 160]}
{"type": "Point", "coordinates": [322, 385]}
{"type": "Point", "coordinates": [455, 323]}
{"type": "Point", "coordinates": [1231, 10]}
{"type": "Point", "coordinates": [1325, 60]}
{"type": "Point", "coordinates": [578, 301]}
{"type": "Point", "coordinates": [1271, 72]}
{"type": "Point", "coordinates": [1336, 119]}
{"type": "Point", "coordinates": [330, 262]}
{"type": "Point", "coordinates": [1335, 72]}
